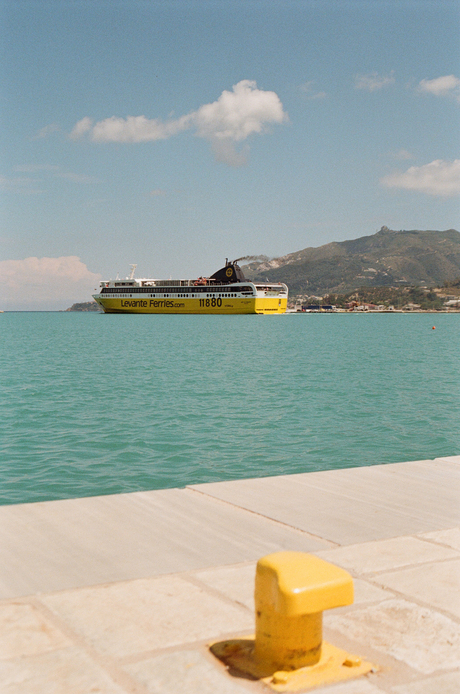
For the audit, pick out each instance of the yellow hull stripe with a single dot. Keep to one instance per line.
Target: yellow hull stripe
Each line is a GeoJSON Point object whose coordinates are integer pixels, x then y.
{"type": "Point", "coordinates": [180, 305]}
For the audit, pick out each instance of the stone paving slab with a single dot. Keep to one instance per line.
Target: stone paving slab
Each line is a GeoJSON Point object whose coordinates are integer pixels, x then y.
{"type": "Point", "coordinates": [355, 505]}
{"type": "Point", "coordinates": [371, 557]}
{"type": "Point", "coordinates": [436, 584]}
{"type": "Point", "coordinates": [450, 459]}
{"type": "Point", "coordinates": [25, 631]}
{"type": "Point", "coordinates": [235, 582]}
{"type": "Point", "coordinates": [184, 672]}
{"type": "Point", "coordinates": [417, 636]}
{"type": "Point", "coordinates": [443, 684]}
{"type": "Point", "coordinates": [450, 537]}
{"type": "Point", "coordinates": [55, 545]}
{"type": "Point", "coordinates": [67, 671]}
{"type": "Point", "coordinates": [128, 617]}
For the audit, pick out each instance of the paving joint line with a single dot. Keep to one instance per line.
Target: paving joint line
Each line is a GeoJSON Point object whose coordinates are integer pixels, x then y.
{"type": "Point", "coordinates": [216, 592]}
{"type": "Point", "coordinates": [419, 602]}
{"type": "Point", "coordinates": [300, 531]}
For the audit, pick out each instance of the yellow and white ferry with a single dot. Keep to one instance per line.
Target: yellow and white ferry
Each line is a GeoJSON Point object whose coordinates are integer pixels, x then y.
{"type": "Point", "coordinates": [226, 291]}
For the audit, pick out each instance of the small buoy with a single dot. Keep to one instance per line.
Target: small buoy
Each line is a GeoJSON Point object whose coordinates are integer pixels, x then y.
{"type": "Point", "coordinates": [433, 328]}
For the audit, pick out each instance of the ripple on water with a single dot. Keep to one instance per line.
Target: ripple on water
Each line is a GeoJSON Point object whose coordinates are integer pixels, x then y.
{"type": "Point", "coordinates": [94, 404]}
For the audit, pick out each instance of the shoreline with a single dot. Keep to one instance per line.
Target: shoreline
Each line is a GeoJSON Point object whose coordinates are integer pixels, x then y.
{"type": "Point", "coordinates": [68, 310]}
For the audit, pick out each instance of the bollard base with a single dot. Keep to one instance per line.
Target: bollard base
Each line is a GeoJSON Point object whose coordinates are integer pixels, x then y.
{"type": "Point", "coordinates": [335, 665]}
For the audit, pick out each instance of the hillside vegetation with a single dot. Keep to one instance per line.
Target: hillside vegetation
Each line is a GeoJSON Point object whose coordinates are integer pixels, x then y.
{"type": "Point", "coordinates": [85, 306]}
{"type": "Point", "coordinates": [385, 259]}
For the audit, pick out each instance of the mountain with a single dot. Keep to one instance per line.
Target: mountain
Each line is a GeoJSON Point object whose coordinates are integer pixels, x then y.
{"type": "Point", "coordinates": [85, 306]}
{"type": "Point", "coordinates": [387, 258]}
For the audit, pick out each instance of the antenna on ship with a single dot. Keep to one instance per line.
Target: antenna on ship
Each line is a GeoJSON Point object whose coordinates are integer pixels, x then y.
{"type": "Point", "coordinates": [133, 267]}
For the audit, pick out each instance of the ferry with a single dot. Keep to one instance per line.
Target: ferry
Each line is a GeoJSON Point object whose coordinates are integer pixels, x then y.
{"type": "Point", "coordinates": [226, 291]}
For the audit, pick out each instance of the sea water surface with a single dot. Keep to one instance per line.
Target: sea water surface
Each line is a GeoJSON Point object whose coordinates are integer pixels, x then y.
{"type": "Point", "coordinates": [99, 404]}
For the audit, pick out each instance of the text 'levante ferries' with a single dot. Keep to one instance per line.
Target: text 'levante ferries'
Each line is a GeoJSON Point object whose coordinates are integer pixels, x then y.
{"type": "Point", "coordinates": [226, 291]}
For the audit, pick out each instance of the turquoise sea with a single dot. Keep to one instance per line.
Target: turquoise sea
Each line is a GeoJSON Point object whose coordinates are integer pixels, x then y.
{"type": "Point", "coordinates": [99, 404]}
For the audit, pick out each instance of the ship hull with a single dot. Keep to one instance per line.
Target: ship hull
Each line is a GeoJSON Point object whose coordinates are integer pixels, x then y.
{"type": "Point", "coordinates": [235, 306]}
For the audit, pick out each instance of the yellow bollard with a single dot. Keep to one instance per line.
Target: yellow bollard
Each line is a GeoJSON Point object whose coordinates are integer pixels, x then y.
{"type": "Point", "coordinates": [288, 653]}
{"type": "Point", "coordinates": [292, 590]}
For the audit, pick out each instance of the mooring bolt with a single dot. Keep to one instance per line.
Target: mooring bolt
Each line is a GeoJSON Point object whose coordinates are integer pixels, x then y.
{"type": "Point", "coordinates": [291, 592]}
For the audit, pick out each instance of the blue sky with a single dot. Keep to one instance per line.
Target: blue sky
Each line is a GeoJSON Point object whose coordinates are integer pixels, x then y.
{"type": "Point", "coordinates": [174, 134]}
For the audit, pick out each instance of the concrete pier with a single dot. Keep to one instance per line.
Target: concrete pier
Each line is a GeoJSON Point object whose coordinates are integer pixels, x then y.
{"type": "Point", "coordinates": [121, 594]}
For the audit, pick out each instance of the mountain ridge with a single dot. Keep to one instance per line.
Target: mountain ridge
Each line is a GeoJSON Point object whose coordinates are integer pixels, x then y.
{"type": "Point", "coordinates": [386, 258]}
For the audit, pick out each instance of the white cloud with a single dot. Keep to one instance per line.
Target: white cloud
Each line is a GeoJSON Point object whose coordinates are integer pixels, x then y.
{"type": "Point", "coordinates": [80, 128]}
{"type": "Point", "coordinates": [134, 129]}
{"type": "Point", "coordinates": [449, 85]}
{"type": "Point", "coordinates": [20, 184]}
{"type": "Point", "coordinates": [236, 115]}
{"type": "Point", "coordinates": [439, 177]}
{"type": "Point", "coordinates": [28, 185]}
{"type": "Point", "coordinates": [308, 89]}
{"type": "Point", "coordinates": [45, 283]}
{"type": "Point", "coordinates": [318, 95]}
{"type": "Point", "coordinates": [240, 113]}
{"type": "Point", "coordinates": [373, 81]}
{"type": "Point", "coordinates": [47, 130]}
{"type": "Point", "coordinates": [225, 151]}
